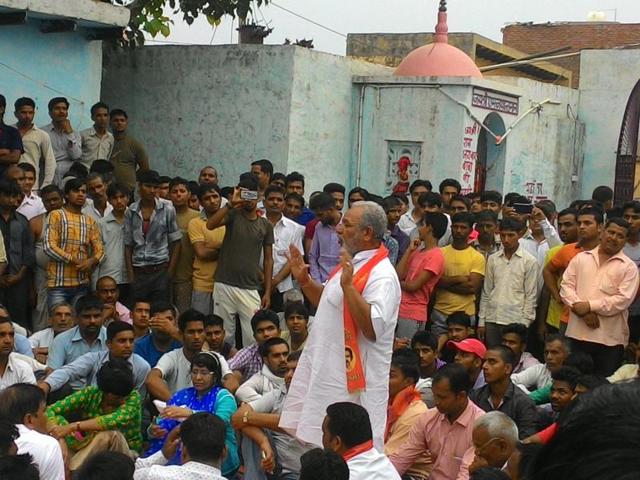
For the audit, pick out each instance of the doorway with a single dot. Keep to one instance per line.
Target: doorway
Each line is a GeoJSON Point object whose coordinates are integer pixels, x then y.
{"type": "Point", "coordinates": [491, 157]}
{"type": "Point", "coordinates": [627, 175]}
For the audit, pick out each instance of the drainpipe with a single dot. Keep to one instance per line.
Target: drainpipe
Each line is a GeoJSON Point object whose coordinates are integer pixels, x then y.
{"type": "Point", "coordinates": [360, 130]}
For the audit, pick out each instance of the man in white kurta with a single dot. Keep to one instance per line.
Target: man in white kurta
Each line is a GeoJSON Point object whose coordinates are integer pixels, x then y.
{"type": "Point", "coordinates": [320, 378]}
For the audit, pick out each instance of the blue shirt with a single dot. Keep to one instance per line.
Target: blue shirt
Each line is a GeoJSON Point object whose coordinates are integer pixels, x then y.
{"type": "Point", "coordinates": [306, 216]}
{"type": "Point", "coordinates": [145, 347]}
{"type": "Point", "coordinates": [83, 371]}
{"type": "Point", "coordinates": [70, 345]}
{"type": "Point", "coordinates": [151, 248]}
{"type": "Point", "coordinates": [22, 345]}
{"type": "Point", "coordinates": [9, 138]}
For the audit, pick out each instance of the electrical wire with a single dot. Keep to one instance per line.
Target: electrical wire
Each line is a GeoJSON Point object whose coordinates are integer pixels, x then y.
{"type": "Point", "coordinates": [308, 20]}
{"type": "Point", "coordinates": [42, 84]}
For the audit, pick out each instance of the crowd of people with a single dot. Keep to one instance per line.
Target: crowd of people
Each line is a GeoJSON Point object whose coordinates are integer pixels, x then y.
{"type": "Point", "coordinates": [165, 328]}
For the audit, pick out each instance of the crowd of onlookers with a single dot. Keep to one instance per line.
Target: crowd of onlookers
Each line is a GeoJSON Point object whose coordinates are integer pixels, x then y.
{"type": "Point", "coordinates": [150, 326]}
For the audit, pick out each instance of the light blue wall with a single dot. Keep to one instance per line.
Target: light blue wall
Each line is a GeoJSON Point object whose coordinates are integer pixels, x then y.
{"type": "Point", "coordinates": [606, 80]}
{"type": "Point", "coordinates": [64, 61]}
{"type": "Point", "coordinates": [233, 104]}
{"type": "Point", "coordinates": [412, 113]}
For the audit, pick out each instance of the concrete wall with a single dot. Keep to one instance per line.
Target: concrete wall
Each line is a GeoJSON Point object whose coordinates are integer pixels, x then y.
{"type": "Point", "coordinates": [544, 151]}
{"type": "Point", "coordinates": [540, 153]}
{"type": "Point", "coordinates": [65, 62]}
{"type": "Point", "coordinates": [230, 105]}
{"type": "Point", "coordinates": [606, 80]}
{"type": "Point", "coordinates": [199, 105]}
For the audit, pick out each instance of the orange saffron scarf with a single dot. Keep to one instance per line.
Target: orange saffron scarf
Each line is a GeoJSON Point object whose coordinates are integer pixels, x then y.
{"type": "Point", "coordinates": [353, 361]}
{"type": "Point", "coordinates": [399, 405]}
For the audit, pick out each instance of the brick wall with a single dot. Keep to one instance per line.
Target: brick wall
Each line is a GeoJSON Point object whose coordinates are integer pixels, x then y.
{"type": "Point", "coordinates": [539, 38]}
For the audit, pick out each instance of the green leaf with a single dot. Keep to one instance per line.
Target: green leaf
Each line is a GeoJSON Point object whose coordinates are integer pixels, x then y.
{"type": "Point", "coordinates": [165, 31]}
{"type": "Point", "coordinates": [213, 21]}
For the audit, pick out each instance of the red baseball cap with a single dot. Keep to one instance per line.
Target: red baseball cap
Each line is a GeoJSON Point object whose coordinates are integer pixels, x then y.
{"type": "Point", "coordinates": [469, 345]}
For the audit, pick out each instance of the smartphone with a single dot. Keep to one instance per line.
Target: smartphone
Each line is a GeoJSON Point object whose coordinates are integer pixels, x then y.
{"type": "Point", "coordinates": [248, 195]}
{"type": "Point", "coordinates": [523, 208]}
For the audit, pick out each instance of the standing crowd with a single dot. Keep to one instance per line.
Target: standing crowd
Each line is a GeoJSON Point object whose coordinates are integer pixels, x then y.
{"type": "Point", "coordinates": [151, 327]}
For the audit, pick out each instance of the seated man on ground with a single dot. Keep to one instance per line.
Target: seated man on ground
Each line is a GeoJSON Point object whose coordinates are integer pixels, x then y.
{"type": "Point", "coordinates": [425, 345]}
{"type": "Point", "coordinates": [501, 394]}
{"type": "Point", "coordinates": [84, 370]}
{"type": "Point", "coordinates": [445, 431]}
{"type": "Point", "coordinates": [61, 320]}
{"type": "Point", "coordinates": [89, 334]}
{"type": "Point", "coordinates": [215, 335]}
{"type": "Point", "coordinates": [248, 361]}
{"type": "Point", "coordinates": [206, 395]}
{"type": "Point", "coordinates": [173, 371]}
{"type": "Point", "coordinates": [24, 405]}
{"type": "Point", "coordinates": [405, 408]}
{"type": "Point", "coordinates": [110, 415]}
{"type": "Point", "coordinates": [514, 336]}
{"type": "Point", "coordinates": [319, 464]}
{"type": "Point", "coordinates": [274, 353]}
{"type": "Point", "coordinates": [258, 421]}
{"type": "Point", "coordinates": [296, 315]}
{"type": "Point", "coordinates": [563, 393]}
{"type": "Point", "coordinates": [12, 369]}
{"type": "Point", "coordinates": [470, 354]}
{"type": "Point", "coordinates": [202, 437]}
{"type": "Point", "coordinates": [164, 335]}
{"type": "Point", "coordinates": [495, 438]}
{"type": "Point", "coordinates": [346, 430]}
{"type": "Point", "coordinates": [556, 349]}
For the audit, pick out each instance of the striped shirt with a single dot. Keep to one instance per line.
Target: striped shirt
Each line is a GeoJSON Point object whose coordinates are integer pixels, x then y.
{"type": "Point", "coordinates": [70, 238]}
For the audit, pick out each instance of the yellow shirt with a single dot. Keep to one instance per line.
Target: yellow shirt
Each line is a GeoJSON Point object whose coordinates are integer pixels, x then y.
{"type": "Point", "coordinates": [204, 270]}
{"type": "Point", "coordinates": [555, 309]}
{"type": "Point", "coordinates": [459, 263]}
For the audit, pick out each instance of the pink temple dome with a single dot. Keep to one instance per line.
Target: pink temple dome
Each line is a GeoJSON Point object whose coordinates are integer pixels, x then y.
{"type": "Point", "coordinates": [438, 59]}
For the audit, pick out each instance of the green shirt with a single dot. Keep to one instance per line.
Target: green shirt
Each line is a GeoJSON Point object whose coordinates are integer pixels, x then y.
{"type": "Point", "coordinates": [88, 404]}
{"type": "Point", "coordinates": [541, 395]}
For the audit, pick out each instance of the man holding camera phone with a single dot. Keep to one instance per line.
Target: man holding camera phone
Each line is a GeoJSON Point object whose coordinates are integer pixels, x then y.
{"type": "Point", "coordinates": [238, 277]}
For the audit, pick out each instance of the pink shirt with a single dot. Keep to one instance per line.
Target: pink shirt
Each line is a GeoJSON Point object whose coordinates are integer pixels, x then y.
{"type": "Point", "coordinates": [123, 312]}
{"type": "Point", "coordinates": [609, 288]}
{"type": "Point", "coordinates": [413, 305]}
{"type": "Point", "coordinates": [450, 444]}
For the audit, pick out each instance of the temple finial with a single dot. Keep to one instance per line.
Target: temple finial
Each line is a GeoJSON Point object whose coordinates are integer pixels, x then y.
{"type": "Point", "coordinates": [442, 29]}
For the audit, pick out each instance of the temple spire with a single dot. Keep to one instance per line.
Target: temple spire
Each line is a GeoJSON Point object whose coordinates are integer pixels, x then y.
{"type": "Point", "coordinates": [442, 29]}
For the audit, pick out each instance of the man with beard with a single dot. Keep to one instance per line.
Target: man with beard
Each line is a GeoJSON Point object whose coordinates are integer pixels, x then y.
{"type": "Point", "coordinates": [87, 336]}
{"type": "Point", "coordinates": [598, 286]}
{"type": "Point", "coordinates": [359, 307]}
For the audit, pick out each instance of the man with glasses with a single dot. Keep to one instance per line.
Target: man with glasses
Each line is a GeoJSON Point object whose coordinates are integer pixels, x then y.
{"type": "Point", "coordinates": [495, 437]}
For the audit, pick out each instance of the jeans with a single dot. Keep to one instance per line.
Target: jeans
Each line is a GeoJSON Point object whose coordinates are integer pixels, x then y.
{"type": "Point", "coordinates": [69, 295]}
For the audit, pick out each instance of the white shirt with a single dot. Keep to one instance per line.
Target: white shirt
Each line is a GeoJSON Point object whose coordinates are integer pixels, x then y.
{"type": "Point", "coordinates": [37, 147]}
{"type": "Point", "coordinates": [31, 206]}
{"type": "Point", "coordinates": [34, 365]}
{"type": "Point", "coordinates": [510, 286]}
{"type": "Point", "coordinates": [371, 465]}
{"type": "Point", "coordinates": [95, 147]}
{"type": "Point", "coordinates": [90, 210]}
{"type": "Point", "coordinates": [45, 451]}
{"type": "Point", "coordinates": [260, 383]}
{"type": "Point", "coordinates": [17, 371]}
{"type": "Point", "coordinates": [533, 378]}
{"type": "Point", "coordinates": [176, 369]}
{"type": "Point", "coordinates": [285, 232]}
{"type": "Point", "coordinates": [42, 339]}
{"type": "Point", "coordinates": [407, 223]}
{"type": "Point", "coordinates": [153, 468]}
{"type": "Point", "coordinates": [320, 378]}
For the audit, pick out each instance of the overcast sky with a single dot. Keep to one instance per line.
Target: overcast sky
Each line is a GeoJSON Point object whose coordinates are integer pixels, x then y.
{"type": "Point", "coordinates": [485, 17]}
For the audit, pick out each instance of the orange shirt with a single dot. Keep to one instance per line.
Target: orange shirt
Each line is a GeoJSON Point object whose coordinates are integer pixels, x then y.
{"type": "Point", "coordinates": [559, 263]}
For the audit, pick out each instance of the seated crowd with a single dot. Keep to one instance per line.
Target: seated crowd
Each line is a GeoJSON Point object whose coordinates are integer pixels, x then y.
{"type": "Point", "coordinates": [150, 326]}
